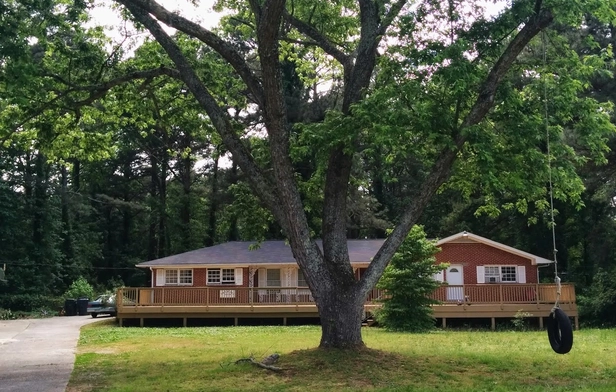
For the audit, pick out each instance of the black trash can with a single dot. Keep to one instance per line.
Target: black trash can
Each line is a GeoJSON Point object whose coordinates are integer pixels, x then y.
{"type": "Point", "coordinates": [70, 307]}
{"type": "Point", "coordinates": [82, 306]}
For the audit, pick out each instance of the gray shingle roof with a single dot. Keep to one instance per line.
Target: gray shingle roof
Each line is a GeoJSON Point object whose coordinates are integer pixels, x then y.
{"type": "Point", "coordinates": [269, 252]}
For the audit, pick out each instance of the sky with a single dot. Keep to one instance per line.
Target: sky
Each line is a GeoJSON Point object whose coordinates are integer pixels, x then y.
{"type": "Point", "coordinates": [104, 15]}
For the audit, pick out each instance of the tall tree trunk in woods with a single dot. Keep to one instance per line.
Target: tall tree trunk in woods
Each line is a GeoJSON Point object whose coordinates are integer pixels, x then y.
{"type": "Point", "coordinates": [163, 236]}
{"type": "Point", "coordinates": [339, 296]}
{"type": "Point", "coordinates": [185, 169]}
{"type": "Point", "coordinates": [212, 214]}
{"type": "Point", "coordinates": [66, 233]}
{"type": "Point", "coordinates": [76, 176]}
{"type": "Point", "coordinates": [152, 232]}
{"type": "Point", "coordinates": [40, 200]}
{"type": "Point", "coordinates": [127, 214]}
{"type": "Point", "coordinates": [233, 234]}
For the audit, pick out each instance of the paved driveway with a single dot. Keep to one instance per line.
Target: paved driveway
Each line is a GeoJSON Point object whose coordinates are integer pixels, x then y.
{"type": "Point", "coordinates": [38, 354]}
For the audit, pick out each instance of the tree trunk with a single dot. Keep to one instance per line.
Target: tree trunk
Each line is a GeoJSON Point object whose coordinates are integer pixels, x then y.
{"type": "Point", "coordinates": [163, 236]}
{"type": "Point", "coordinates": [185, 171]}
{"type": "Point", "coordinates": [212, 221]}
{"type": "Point", "coordinates": [152, 240]}
{"type": "Point", "coordinates": [233, 234]}
{"type": "Point", "coordinates": [341, 316]}
{"type": "Point", "coordinates": [66, 234]}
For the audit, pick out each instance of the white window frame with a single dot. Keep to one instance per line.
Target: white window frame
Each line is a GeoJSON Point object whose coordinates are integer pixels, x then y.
{"type": "Point", "coordinates": [301, 282]}
{"type": "Point", "coordinates": [503, 275]}
{"type": "Point", "coordinates": [279, 280]}
{"type": "Point", "coordinates": [181, 274]}
{"type": "Point", "coordinates": [226, 276]}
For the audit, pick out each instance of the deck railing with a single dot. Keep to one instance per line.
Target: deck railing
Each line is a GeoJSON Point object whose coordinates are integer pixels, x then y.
{"type": "Point", "coordinates": [255, 296]}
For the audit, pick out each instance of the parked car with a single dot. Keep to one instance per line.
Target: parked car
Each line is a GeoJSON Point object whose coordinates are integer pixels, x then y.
{"type": "Point", "coordinates": [105, 304]}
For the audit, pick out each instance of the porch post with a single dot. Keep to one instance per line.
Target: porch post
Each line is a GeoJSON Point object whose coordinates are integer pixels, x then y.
{"type": "Point", "coordinates": [251, 283]}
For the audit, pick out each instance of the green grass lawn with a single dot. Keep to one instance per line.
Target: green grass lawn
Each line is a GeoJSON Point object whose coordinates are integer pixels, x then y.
{"type": "Point", "coordinates": [202, 359]}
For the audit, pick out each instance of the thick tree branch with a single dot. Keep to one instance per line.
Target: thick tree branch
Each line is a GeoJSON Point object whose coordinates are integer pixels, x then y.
{"type": "Point", "coordinates": [357, 78]}
{"type": "Point", "coordinates": [204, 35]}
{"type": "Point", "coordinates": [258, 181]}
{"type": "Point", "coordinates": [96, 91]}
{"type": "Point", "coordinates": [391, 15]}
{"type": "Point", "coordinates": [99, 91]}
{"type": "Point", "coordinates": [443, 166]}
{"type": "Point", "coordinates": [322, 41]}
{"type": "Point", "coordinates": [275, 116]}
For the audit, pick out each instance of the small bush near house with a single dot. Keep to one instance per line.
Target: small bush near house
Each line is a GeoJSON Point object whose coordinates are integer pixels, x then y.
{"type": "Point", "coordinates": [520, 320]}
{"type": "Point", "coordinates": [80, 289]}
{"type": "Point", "coordinates": [409, 280]}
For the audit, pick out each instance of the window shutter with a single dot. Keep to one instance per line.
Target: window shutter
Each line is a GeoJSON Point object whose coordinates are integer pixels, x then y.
{"type": "Point", "coordinates": [239, 276]}
{"type": "Point", "coordinates": [521, 274]}
{"type": "Point", "coordinates": [160, 277]}
{"type": "Point", "coordinates": [481, 276]}
{"type": "Point", "coordinates": [262, 277]}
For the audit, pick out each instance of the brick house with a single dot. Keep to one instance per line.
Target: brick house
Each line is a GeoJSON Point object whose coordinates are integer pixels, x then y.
{"type": "Point", "coordinates": [242, 280]}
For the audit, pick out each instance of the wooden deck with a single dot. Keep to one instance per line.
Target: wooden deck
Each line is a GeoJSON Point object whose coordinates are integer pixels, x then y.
{"type": "Point", "coordinates": [489, 301]}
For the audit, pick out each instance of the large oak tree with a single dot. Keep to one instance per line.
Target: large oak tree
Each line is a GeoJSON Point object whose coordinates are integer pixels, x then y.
{"type": "Point", "coordinates": [481, 50]}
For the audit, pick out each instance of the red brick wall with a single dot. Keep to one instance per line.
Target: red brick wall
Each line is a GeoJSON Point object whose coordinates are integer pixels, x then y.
{"type": "Point", "coordinates": [472, 255]}
{"type": "Point", "coordinates": [200, 277]}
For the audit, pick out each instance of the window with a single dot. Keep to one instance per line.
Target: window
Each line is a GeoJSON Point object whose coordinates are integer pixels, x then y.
{"type": "Point", "coordinates": [508, 274]}
{"type": "Point", "coordinates": [228, 276]}
{"type": "Point", "coordinates": [178, 277]}
{"type": "Point", "coordinates": [301, 280]}
{"type": "Point", "coordinates": [496, 274]}
{"type": "Point", "coordinates": [186, 276]}
{"type": "Point", "coordinates": [273, 278]}
{"type": "Point", "coordinates": [221, 276]}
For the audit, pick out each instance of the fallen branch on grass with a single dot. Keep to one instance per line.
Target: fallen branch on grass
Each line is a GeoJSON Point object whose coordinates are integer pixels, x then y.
{"type": "Point", "coordinates": [266, 363]}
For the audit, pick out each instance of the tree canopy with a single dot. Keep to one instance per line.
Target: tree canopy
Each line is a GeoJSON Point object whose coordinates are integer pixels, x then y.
{"type": "Point", "coordinates": [341, 119]}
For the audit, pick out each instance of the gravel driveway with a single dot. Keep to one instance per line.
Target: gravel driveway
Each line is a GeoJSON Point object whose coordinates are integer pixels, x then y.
{"type": "Point", "coordinates": [38, 354]}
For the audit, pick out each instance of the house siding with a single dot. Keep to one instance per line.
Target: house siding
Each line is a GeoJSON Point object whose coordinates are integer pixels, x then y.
{"type": "Point", "coordinates": [200, 278]}
{"type": "Point", "coordinates": [472, 255]}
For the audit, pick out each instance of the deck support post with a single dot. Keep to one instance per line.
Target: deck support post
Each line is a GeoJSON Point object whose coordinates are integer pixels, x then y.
{"type": "Point", "coordinates": [541, 322]}
{"type": "Point", "coordinates": [185, 321]}
{"type": "Point", "coordinates": [284, 321]}
{"type": "Point", "coordinates": [120, 322]}
{"type": "Point", "coordinates": [577, 323]}
{"type": "Point", "coordinates": [444, 322]}
{"type": "Point", "coordinates": [235, 321]}
{"type": "Point", "coordinates": [493, 323]}
{"type": "Point", "coordinates": [141, 322]}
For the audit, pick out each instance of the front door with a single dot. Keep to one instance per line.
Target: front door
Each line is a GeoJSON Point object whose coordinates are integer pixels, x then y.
{"type": "Point", "coordinates": [454, 277]}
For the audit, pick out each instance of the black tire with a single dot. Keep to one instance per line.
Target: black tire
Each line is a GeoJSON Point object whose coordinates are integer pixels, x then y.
{"type": "Point", "coordinates": [94, 315]}
{"type": "Point", "coordinates": [560, 332]}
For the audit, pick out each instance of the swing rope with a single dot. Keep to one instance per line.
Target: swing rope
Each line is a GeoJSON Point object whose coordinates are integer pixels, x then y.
{"type": "Point", "coordinates": [551, 189]}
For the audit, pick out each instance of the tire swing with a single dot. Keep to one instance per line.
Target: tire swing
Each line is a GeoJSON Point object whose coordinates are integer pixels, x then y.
{"type": "Point", "coordinates": [560, 331]}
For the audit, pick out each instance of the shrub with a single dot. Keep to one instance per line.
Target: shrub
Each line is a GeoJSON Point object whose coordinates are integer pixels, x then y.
{"type": "Point", "coordinates": [29, 302]}
{"type": "Point", "coordinates": [598, 302]}
{"type": "Point", "coordinates": [409, 281]}
{"type": "Point", "coordinates": [520, 320]}
{"type": "Point", "coordinates": [6, 314]}
{"type": "Point", "coordinates": [80, 289]}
